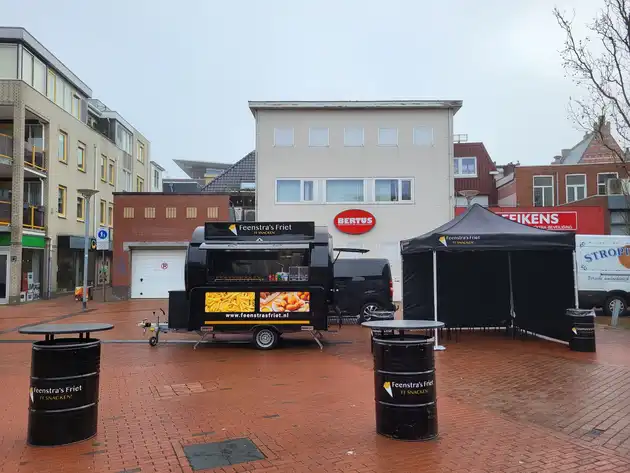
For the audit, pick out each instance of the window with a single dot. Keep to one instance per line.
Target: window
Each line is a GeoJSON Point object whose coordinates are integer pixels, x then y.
{"type": "Point", "coordinates": [127, 181]}
{"type": "Point", "coordinates": [39, 76]}
{"type": "Point", "coordinates": [388, 136]}
{"type": "Point", "coordinates": [318, 137]}
{"type": "Point", "coordinates": [76, 106]}
{"type": "Point", "coordinates": [345, 190]}
{"type": "Point", "coordinates": [124, 140]}
{"type": "Point", "coordinates": [139, 184]}
{"type": "Point", "coordinates": [81, 157]}
{"type": "Point", "coordinates": [283, 137]}
{"type": "Point", "coordinates": [62, 147]}
{"type": "Point", "coordinates": [27, 67]}
{"type": "Point", "coordinates": [140, 152]}
{"type": "Point", "coordinates": [110, 215]}
{"type": "Point", "coordinates": [393, 190]}
{"type": "Point", "coordinates": [51, 86]}
{"type": "Point", "coordinates": [295, 190]}
{"type": "Point", "coordinates": [103, 169]}
{"type": "Point", "coordinates": [8, 61]}
{"type": "Point", "coordinates": [62, 192]}
{"type": "Point", "coordinates": [465, 167]}
{"type": "Point", "coordinates": [67, 97]}
{"type": "Point", "coordinates": [156, 179]}
{"type": "Point", "coordinates": [111, 172]}
{"type": "Point", "coordinates": [543, 191]}
{"type": "Point", "coordinates": [423, 136]}
{"type": "Point", "coordinates": [602, 180]}
{"type": "Point", "coordinates": [129, 212]}
{"type": "Point", "coordinates": [103, 213]}
{"type": "Point", "coordinates": [80, 209]}
{"type": "Point", "coordinates": [353, 136]}
{"type": "Point", "coordinates": [576, 187]}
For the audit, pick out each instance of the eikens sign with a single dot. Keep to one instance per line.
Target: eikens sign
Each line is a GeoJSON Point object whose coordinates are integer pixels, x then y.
{"type": "Point", "coordinates": [354, 221]}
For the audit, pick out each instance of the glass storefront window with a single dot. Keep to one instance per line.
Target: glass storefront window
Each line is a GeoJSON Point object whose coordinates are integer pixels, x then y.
{"type": "Point", "coordinates": [32, 273]}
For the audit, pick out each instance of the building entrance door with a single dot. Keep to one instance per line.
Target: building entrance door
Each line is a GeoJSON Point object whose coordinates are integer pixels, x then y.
{"type": "Point", "coordinates": [5, 279]}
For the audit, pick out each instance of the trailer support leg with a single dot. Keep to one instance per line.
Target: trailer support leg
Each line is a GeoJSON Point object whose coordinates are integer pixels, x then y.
{"type": "Point", "coordinates": [316, 336]}
{"type": "Point", "coordinates": [203, 338]}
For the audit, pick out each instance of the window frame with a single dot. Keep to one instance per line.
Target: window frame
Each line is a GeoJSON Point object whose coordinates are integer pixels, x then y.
{"type": "Point", "coordinates": [31, 60]}
{"type": "Point", "coordinates": [141, 151]}
{"type": "Point", "coordinates": [275, 141]}
{"type": "Point", "coordinates": [318, 128]}
{"type": "Point", "coordinates": [574, 186]}
{"type": "Point", "coordinates": [382, 145]}
{"type": "Point", "coordinates": [423, 145]}
{"type": "Point", "coordinates": [82, 199]}
{"type": "Point", "coordinates": [459, 175]}
{"type": "Point", "coordinates": [110, 215]}
{"type": "Point", "coordinates": [103, 168]}
{"type": "Point", "coordinates": [102, 213]}
{"type": "Point", "coordinates": [302, 181]}
{"type": "Point", "coordinates": [604, 184]}
{"type": "Point", "coordinates": [63, 159]}
{"type": "Point", "coordinates": [139, 180]}
{"type": "Point", "coordinates": [365, 190]}
{"type": "Point", "coordinates": [400, 181]}
{"type": "Point", "coordinates": [111, 171]}
{"type": "Point", "coordinates": [50, 73]}
{"type": "Point", "coordinates": [81, 146]}
{"type": "Point", "coordinates": [156, 179]}
{"type": "Point", "coordinates": [553, 190]}
{"type": "Point", "coordinates": [76, 96]}
{"type": "Point", "coordinates": [355, 128]}
{"type": "Point", "coordinates": [64, 201]}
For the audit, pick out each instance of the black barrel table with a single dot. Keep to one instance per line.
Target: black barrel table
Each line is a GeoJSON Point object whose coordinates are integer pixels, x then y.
{"type": "Point", "coordinates": [404, 379]}
{"type": "Point", "coordinates": [582, 330]}
{"type": "Point", "coordinates": [63, 394]}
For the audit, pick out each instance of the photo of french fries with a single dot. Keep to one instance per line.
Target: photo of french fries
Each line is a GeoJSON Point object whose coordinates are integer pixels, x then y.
{"type": "Point", "coordinates": [230, 301]}
{"type": "Point", "coordinates": [285, 301]}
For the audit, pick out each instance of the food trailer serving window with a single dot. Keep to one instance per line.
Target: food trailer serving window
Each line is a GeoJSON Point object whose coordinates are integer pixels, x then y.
{"type": "Point", "coordinates": [258, 264]}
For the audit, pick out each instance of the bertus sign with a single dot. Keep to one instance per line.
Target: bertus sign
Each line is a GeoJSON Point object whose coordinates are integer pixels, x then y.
{"type": "Point", "coordinates": [254, 230]}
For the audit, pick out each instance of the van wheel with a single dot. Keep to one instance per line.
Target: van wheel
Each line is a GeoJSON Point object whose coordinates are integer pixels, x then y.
{"type": "Point", "coordinates": [366, 310]}
{"type": "Point", "coordinates": [610, 304]}
{"type": "Point", "coordinates": [265, 338]}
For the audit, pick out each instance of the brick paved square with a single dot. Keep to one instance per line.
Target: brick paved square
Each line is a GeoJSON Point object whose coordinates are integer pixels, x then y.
{"type": "Point", "coordinates": [218, 454]}
{"type": "Point", "coordinates": [504, 405]}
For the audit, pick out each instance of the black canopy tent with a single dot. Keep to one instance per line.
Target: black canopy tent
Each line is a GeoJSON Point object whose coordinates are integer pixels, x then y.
{"type": "Point", "coordinates": [481, 270]}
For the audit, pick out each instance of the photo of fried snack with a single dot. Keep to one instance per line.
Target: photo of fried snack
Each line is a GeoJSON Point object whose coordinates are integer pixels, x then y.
{"type": "Point", "coordinates": [285, 302]}
{"type": "Point", "coordinates": [230, 302]}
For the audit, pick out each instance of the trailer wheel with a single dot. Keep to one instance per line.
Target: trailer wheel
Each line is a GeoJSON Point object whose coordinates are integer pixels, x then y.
{"type": "Point", "coordinates": [265, 338]}
{"type": "Point", "coordinates": [153, 341]}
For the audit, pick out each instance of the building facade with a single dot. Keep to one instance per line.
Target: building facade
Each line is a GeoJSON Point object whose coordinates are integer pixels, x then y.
{"type": "Point", "coordinates": [374, 173]}
{"type": "Point", "coordinates": [152, 235]}
{"type": "Point", "coordinates": [54, 140]}
{"type": "Point", "coordinates": [474, 171]}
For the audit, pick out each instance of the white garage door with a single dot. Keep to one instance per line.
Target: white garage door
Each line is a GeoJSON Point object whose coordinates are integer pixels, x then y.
{"type": "Point", "coordinates": [155, 272]}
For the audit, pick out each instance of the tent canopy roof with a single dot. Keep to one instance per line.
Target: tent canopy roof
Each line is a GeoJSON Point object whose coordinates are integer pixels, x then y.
{"type": "Point", "coordinates": [480, 229]}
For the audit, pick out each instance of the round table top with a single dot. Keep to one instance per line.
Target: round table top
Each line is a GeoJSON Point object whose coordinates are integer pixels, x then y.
{"type": "Point", "coordinates": [403, 324]}
{"type": "Point", "coordinates": [54, 329]}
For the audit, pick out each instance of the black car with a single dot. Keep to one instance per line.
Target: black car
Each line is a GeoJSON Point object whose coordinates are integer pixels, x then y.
{"type": "Point", "coordinates": [363, 285]}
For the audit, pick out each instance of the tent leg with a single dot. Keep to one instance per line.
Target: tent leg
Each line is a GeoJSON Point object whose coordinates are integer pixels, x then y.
{"type": "Point", "coordinates": [512, 314]}
{"type": "Point", "coordinates": [575, 282]}
{"type": "Point", "coordinates": [437, 346]}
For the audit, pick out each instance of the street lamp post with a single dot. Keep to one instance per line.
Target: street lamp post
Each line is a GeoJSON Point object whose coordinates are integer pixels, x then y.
{"type": "Point", "coordinates": [87, 195]}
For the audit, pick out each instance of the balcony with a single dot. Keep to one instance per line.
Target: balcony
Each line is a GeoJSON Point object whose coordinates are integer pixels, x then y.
{"type": "Point", "coordinates": [34, 156]}
{"type": "Point", "coordinates": [33, 215]}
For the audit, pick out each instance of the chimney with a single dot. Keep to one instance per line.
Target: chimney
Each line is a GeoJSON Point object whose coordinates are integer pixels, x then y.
{"type": "Point", "coordinates": [557, 160]}
{"type": "Point", "coordinates": [602, 126]}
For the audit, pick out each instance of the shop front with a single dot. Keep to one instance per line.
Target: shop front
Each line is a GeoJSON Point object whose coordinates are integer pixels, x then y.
{"type": "Point", "coordinates": [70, 262]}
{"type": "Point", "coordinates": [583, 220]}
{"type": "Point", "coordinates": [31, 268]}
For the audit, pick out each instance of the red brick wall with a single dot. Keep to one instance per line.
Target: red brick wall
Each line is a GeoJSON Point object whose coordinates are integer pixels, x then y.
{"type": "Point", "coordinates": [506, 190]}
{"type": "Point", "coordinates": [525, 187]}
{"type": "Point", "coordinates": [143, 218]}
{"type": "Point", "coordinates": [484, 182]}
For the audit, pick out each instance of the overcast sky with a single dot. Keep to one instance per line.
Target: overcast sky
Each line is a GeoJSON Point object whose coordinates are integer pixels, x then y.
{"type": "Point", "coordinates": [182, 72]}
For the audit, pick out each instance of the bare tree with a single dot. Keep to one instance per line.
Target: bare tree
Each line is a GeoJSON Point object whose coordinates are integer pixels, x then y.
{"type": "Point", "coordinates": [603, 74]}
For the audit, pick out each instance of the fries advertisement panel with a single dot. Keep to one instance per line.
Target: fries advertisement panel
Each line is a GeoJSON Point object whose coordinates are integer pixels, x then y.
{"type": "Point", "coordinates": [227, 307]}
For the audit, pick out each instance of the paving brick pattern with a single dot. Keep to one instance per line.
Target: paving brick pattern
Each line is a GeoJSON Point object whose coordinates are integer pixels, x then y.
{"type": "Point", "coordinates": [504, 406]}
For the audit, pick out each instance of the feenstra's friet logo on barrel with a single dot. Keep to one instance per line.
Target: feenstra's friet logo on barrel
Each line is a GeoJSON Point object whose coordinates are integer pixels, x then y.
{"type": "Point", "coordinates": [354, 221]}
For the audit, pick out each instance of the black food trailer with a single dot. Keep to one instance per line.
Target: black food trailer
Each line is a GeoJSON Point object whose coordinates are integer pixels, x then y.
{"type": "Point", "coordinates": [267, 278]}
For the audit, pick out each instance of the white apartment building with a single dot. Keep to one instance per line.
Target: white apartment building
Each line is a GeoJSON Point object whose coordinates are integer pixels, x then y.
{"type": "Point", "coordinates": [54, 140]}
{"type": "Point", "coordinates": [375, 173]}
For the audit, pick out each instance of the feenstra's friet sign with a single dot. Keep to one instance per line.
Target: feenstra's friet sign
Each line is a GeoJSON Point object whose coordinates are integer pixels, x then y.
{"type": "Point", "coordinates": [354, 221]}
{"type": "Point", "coordinates": [544, 220]}
{"type": "Point", "coordinates": [248, 230]}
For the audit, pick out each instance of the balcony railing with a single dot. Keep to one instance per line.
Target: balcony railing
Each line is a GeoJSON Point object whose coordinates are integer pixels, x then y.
{"type": "Point", "coordinates": [34, 156]}
{"type": "Point", "coordinates": [6, 146]}
{"type": "Point", "coordinates": [33, 215]}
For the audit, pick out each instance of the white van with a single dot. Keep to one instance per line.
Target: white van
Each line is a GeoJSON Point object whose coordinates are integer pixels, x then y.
{"type": "Point", "coordinates": [603, 263]}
